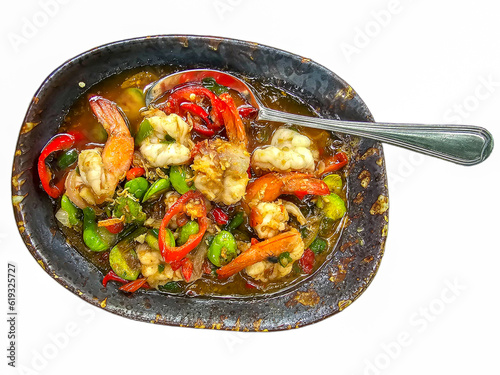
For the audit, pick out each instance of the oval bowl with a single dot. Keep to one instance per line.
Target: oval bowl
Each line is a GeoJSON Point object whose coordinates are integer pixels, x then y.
{"type": "Point", "coordinates": [335, 285]}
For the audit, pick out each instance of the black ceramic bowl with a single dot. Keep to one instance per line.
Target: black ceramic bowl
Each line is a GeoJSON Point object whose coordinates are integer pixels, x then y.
{"type": "Point", "coordinates": [341, 280]}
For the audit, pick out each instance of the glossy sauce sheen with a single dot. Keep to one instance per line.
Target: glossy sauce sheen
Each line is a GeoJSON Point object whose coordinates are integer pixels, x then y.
{"type": "Point", "coordinates": [259, 134]}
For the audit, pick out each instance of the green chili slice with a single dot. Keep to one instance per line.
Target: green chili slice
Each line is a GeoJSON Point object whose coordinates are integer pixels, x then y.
{"type": "Point", "coordinates": [145, 130]}
{"type": "Point", "coordinates": [178, 179]}
{"type": "Point", "coordinates": [67, 159]}
{"type": "Point", "coordinates": [92, 236]}
{"type": "Point", "coordinates": [74, 213]}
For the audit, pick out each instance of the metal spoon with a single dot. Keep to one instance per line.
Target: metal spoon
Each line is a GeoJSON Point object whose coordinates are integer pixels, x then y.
{"type": "Point", "coordinates": [461, 144]}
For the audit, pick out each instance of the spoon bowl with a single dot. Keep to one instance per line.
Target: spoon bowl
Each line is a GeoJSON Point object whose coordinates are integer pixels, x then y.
{"type": "Point", "coordinates": [461, 144]}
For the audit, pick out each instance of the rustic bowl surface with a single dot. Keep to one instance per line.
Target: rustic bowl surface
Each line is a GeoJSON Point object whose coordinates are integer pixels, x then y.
{"type": "Point", "coordinates": [339, 281]}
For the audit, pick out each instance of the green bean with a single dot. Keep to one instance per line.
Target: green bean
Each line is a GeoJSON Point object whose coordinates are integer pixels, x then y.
{"type": "Point", "coordinates": [93, 236]}
{"type": "Point", "coordinates": [68, 158]}
{"type": "Point", "coordinates": [190, 228]}
{"type": "Point", "coordinates": [222, 249]}
{"type": "Point", "coordinates": [334, 183]}
{"type": "Point", "coordinates": [178, 179]}
{"type": "Point", "coordinates": [137, 187]}
{"type": "Point", "coordinates": [74, 213]}
{"type": "Point", "coordinates": [332, 205]}
{"type": "Point", "coordinates": [159, 187]}
{"type": "Point", "coordinates": [145, 129]}
{"type": "Point", "coordinates": [318, 245]}
{"type": "Point", "coordinates": [235, 222]}
{"type": "Point", "coordinates": [152, 238]}
{"type": "Point", "coordinates": [123, 260]}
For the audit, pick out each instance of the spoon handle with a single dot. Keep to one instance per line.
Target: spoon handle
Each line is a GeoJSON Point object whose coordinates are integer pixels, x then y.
{"type": "Point", "coordinates": [461, 144]}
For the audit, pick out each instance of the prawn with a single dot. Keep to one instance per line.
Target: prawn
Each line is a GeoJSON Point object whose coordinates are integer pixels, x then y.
{"type": "Point", "coordinates": [268, 216]}
{"type": "Point", "coordinates": [288, 151]}
{"type": "Point", "coordinates": [101, 169]}
{"type": "Point", "coordinates": [220, 167]}
{"type": "Point", "coordinates": [285, 242]}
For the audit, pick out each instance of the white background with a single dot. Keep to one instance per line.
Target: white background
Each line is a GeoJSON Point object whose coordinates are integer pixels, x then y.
{"type": "Point", "coordinates": [418, 61]}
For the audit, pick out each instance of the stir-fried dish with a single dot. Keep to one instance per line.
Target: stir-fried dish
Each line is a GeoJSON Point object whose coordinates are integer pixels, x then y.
{"type": "Point", "coordinates": [192, 194]}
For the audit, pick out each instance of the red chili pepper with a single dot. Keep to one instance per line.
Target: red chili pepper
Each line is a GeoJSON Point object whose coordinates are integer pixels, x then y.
{"type": "Point", "coordinates": [135, 285]}
{"type": "Point", "coordinates": [249, 172]}
{"type": "Point", "coordinates": [111, 275]}
{"type": "Point", "coordinates": [59, 142]}
{"type": "Point", "coordinates": [335, 162]}
{"type": "Point", "coordinates": [171, 254]}
{"type": "Point", "coordinates": [187, 269]}
{"type": "Point", "coordinates": [307, 261]}
{"type": "Point", "coordinates": [247, 111]}
{"type": "Point", "coordinates": [254, 241]}
{"type": "Point", "coordinates": [189, 93]}
{"type": "Point", "coordinates": [196, 110]}
{"type": "Point", "coordinates": [220, 216]}
{"type": "Point", "coordinates": [77, 134]}
{"type": "Point", "coordinates": [176, 265]}
{"type": "Point", "coordinates": [135, 172]}
{"type": "Point", "coordinates": [115, 228]}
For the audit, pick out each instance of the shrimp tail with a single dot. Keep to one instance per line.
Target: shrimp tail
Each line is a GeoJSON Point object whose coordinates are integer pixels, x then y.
{"type": "Point", "coordinates": [108, 115]}
{"type": "Point", "coordinates": [119, 149]}
{"type": "Point", "coordinates": [234, 125]}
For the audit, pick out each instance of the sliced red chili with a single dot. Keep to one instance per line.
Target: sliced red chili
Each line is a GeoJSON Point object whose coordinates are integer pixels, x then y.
{"type": "Point", "coordinates": [171, 254]}
{"type": "Point", "coordinates": [135, 172]}
{"type": "Point", "coordinates": [111, 275]}
{"type": "Point", "coordinates": [78, 135]}
{"type": "Point", "coordinates": [220, 217]}
{"type": "Point", "coordinates": [189, 93]}
{"type": "Point", "coordinates": [334, 163]}
{"type": "Point", "coordinates": [306, 263]}
{"type": "Point", "coordinates": [60, 142]}
{"type": "Point", "coordinates": [196, 110]}
{"type": "Point", "coordinates": [187, 269]}
{"type": "Point", "coordinates": [175, 265]}
{"type": "Point", "coordinates": [135, 285]}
